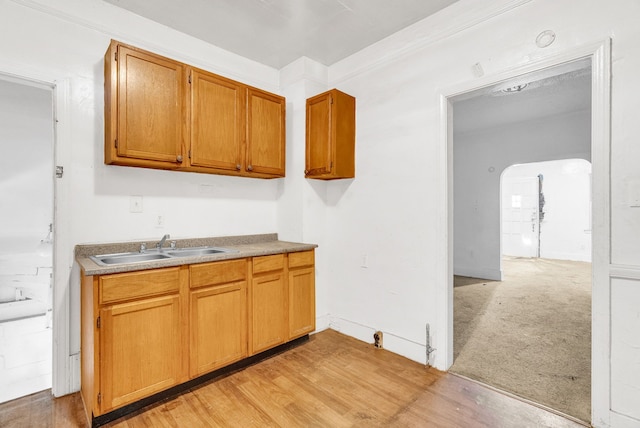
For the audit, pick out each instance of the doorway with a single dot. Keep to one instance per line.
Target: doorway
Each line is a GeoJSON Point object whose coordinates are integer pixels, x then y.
{"type": "Point", "coordinates": [26, 256]}
{"type": "Point", "coordinates": [530, 334]}
{"type": "Point", "coordinates": [539, 116]}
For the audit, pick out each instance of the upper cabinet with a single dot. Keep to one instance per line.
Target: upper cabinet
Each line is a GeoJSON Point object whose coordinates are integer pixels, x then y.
{"type": "Point", "coordinates": [144, 108]}
{"type": "Point", "coordinates": [265, 133]}
{"type": "Point", "coordinates": [217, 122]}
{"type": "Point", "coordinates": [160, 113]}
{"type": "Point", "coordinates": [331, 136]}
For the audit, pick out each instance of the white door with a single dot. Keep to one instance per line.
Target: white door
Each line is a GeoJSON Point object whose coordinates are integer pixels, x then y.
{"type": "Point", "coordinates": [520, 216]}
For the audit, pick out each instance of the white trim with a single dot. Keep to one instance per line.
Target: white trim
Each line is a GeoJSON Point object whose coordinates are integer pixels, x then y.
{"type": "Point", "coordinates": [61, 260]}
{"type": "Point", "coordinates": [62, 246]}
{"type": "Point", "coordinates": [622, 421]}
{"type": "Point", "coordinates": [624, 272]}
{"type": "Point", "coordinates": [492, 274]}
{"type": "Point", "coordinates": [600, 53]}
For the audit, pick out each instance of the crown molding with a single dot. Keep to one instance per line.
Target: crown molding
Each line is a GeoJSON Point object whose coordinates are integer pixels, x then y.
{"type": "Point", "coordinates": [454, 19]}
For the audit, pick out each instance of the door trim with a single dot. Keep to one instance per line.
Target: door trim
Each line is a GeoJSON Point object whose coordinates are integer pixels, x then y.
{"type": "Point", "coordinates": [65, 380]}
{"type": "Point", "coordinates": [600, 54]}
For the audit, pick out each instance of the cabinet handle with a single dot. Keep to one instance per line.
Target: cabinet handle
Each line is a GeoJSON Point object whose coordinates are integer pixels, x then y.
{"type": "Point", "coordinates": [249, 168]}
{"type": "Point", "coordinates": [179, 158]}
{"type": "Point", "coordinates": [238, 166]}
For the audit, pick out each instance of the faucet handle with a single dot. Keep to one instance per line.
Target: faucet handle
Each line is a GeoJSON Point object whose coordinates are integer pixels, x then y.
{"type": "Point", "coordinates": [173, 245]}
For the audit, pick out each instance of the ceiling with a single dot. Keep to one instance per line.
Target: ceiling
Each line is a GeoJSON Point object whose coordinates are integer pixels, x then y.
{"type": "Point", "coordinates": [277, 32]}
{"type": "Point", "coordinates": [554, 91]}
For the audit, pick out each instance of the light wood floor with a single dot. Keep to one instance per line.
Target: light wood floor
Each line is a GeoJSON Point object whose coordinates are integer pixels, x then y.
{"type": "Point", "coordinates": [330, 381]}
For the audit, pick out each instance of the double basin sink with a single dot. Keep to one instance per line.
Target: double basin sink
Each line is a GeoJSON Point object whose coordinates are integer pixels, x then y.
{"type": "Point", "coordinates": [156, 254]}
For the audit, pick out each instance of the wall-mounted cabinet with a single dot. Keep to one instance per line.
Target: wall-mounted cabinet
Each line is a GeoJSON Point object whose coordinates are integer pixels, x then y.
{"type": "Point", "coordinates": [160, 113]}
{"type": "Point", "coordinates": [145, 111]}
{"type": "Point", "coordinates": [331, 136]}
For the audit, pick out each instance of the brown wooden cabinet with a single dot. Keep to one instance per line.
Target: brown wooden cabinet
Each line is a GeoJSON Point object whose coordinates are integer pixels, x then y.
{"type": "Point", "coordinates": [217, 122]}
{"type": "Point", "coordinates": [132, 337]}
{"type": "Point", "coordinates": [146, 331]}
{"type": "Point", "coordinates": [145, 108]}
{"type": "Point", "coordinates": [235, 129]}
{"type": "Point", "coordinates": [302, 294]}
{"type": "Point", "coordinates": [160, 113]}
{"type": "Point", "coordinates": [268, 303]}
{"type": "Point", "coordinates": [218, 307]}
{"type": "Point", "coordinates": [331, 136]}
{"type": "Point", "coordinates": [265, 133]}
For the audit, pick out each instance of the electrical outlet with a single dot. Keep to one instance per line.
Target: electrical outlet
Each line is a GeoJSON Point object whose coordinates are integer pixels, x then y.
{"type": "Point", "coordinates": [160, 221]}
{"type": "Point", "coordinates": [377, 339]}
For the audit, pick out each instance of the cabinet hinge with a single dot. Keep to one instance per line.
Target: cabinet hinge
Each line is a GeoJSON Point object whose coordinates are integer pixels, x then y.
{"type": "Point", "coordinates": [115, 55]}
{"type": "Point", "coordinates": [189, 154]}
{"type": "Point", "coordinates": [189, 78]}
{"type": "Point", "coordinates": [98, 322]}
{"type": "Point", "coordinates": [116, 142]}
{"type": "Point", "coordinates": [99, 398]}
{"type": "Point", "coordinates": [331, 164]}
{"type": "Point", "coordinates": [330, 100]}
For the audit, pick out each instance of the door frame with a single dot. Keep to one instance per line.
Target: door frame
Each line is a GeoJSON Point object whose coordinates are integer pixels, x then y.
{"type": "Point", "coordinates": [600, 55]}
{"type": "Point", "coordinates": [65, 370]}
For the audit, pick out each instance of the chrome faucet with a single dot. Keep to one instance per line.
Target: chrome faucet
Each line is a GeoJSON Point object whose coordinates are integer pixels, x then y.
{"type": "Point", "coordinates": [161, 243]}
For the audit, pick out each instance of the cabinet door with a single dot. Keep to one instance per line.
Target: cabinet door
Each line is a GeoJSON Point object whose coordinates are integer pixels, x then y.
{"type": "Point", "coordinates": [217, 121]}
{"type": "Point", "coordinates": [150, 107]}
{"type": "Point", "coordinates": [268, 298]}
{"type": "Point", "coordinates": [140, 349]}
{"type": "Point", "coordinates": [218, 327]}
{"type": "Point", "coordinates": [265, 133]}
{"type": "Point", "coordinates": [318, 147]}
{"type": "Point", "coordinates": [302, 298]}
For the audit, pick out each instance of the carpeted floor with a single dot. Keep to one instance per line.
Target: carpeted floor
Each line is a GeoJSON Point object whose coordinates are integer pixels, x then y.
{"type": "Point", "coordinates": [529, 334]}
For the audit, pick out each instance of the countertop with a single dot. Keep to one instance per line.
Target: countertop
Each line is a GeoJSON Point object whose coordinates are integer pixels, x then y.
{"type": "Point", "coordinates": [245, 246]}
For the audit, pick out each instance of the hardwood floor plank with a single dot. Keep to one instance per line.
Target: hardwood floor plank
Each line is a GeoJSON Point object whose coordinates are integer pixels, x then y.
{"type": "Point", "coordinates": [330, 381]}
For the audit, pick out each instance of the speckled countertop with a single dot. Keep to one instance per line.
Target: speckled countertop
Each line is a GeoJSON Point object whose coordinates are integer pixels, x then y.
{"type": "Point", "coordinates": [245, 246]}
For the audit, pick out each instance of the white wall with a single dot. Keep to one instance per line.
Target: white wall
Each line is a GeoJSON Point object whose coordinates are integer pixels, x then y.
{"type": "Point", "coordinates": [65, 44]}
{"type": "Point", "coordinates": [565, 231]}
{"type": "Point", "coordinates": [480, 157]}
{"type": "Point", "coordinates": [391, 214]}
{"type": "Point", "coordinates": [393, 211]}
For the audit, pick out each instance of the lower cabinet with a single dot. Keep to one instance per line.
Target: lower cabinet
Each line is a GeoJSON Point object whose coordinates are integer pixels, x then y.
{"type": "Point", "coordinates": [218, 315]}
{"type": "Point", "coordinates": [268, 303]}
{"type": "Point", "coordinates": [146, 331]}
{"type": "Point", "coordinates": [302, 294]}
{"type": "Point", "coordinates": [131, 332]}
{"type": "Point", "coordinates": [140, 349]}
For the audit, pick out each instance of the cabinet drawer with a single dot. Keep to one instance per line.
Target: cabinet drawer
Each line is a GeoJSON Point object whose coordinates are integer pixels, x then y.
{"type": "Point", "coordinates": [268, 263]}
{"type": "Point", "coordinates": [131, 285]}
{"type": "Point", "coordinates": [218, 272]}
{"type": "Point", "coordinates": [303, 258]}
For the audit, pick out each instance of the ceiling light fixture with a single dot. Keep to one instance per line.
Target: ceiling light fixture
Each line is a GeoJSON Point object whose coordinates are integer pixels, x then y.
{"type": "Point", "coordinates": [515, 88]}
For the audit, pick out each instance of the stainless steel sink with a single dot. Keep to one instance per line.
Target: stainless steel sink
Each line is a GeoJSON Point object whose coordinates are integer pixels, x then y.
{"type": "Point", "coordinates": [198, 251]}
{"type": "Point", "coordinates": [123, 258]}
{"type": "Point", "coordinates": [155, 254]}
